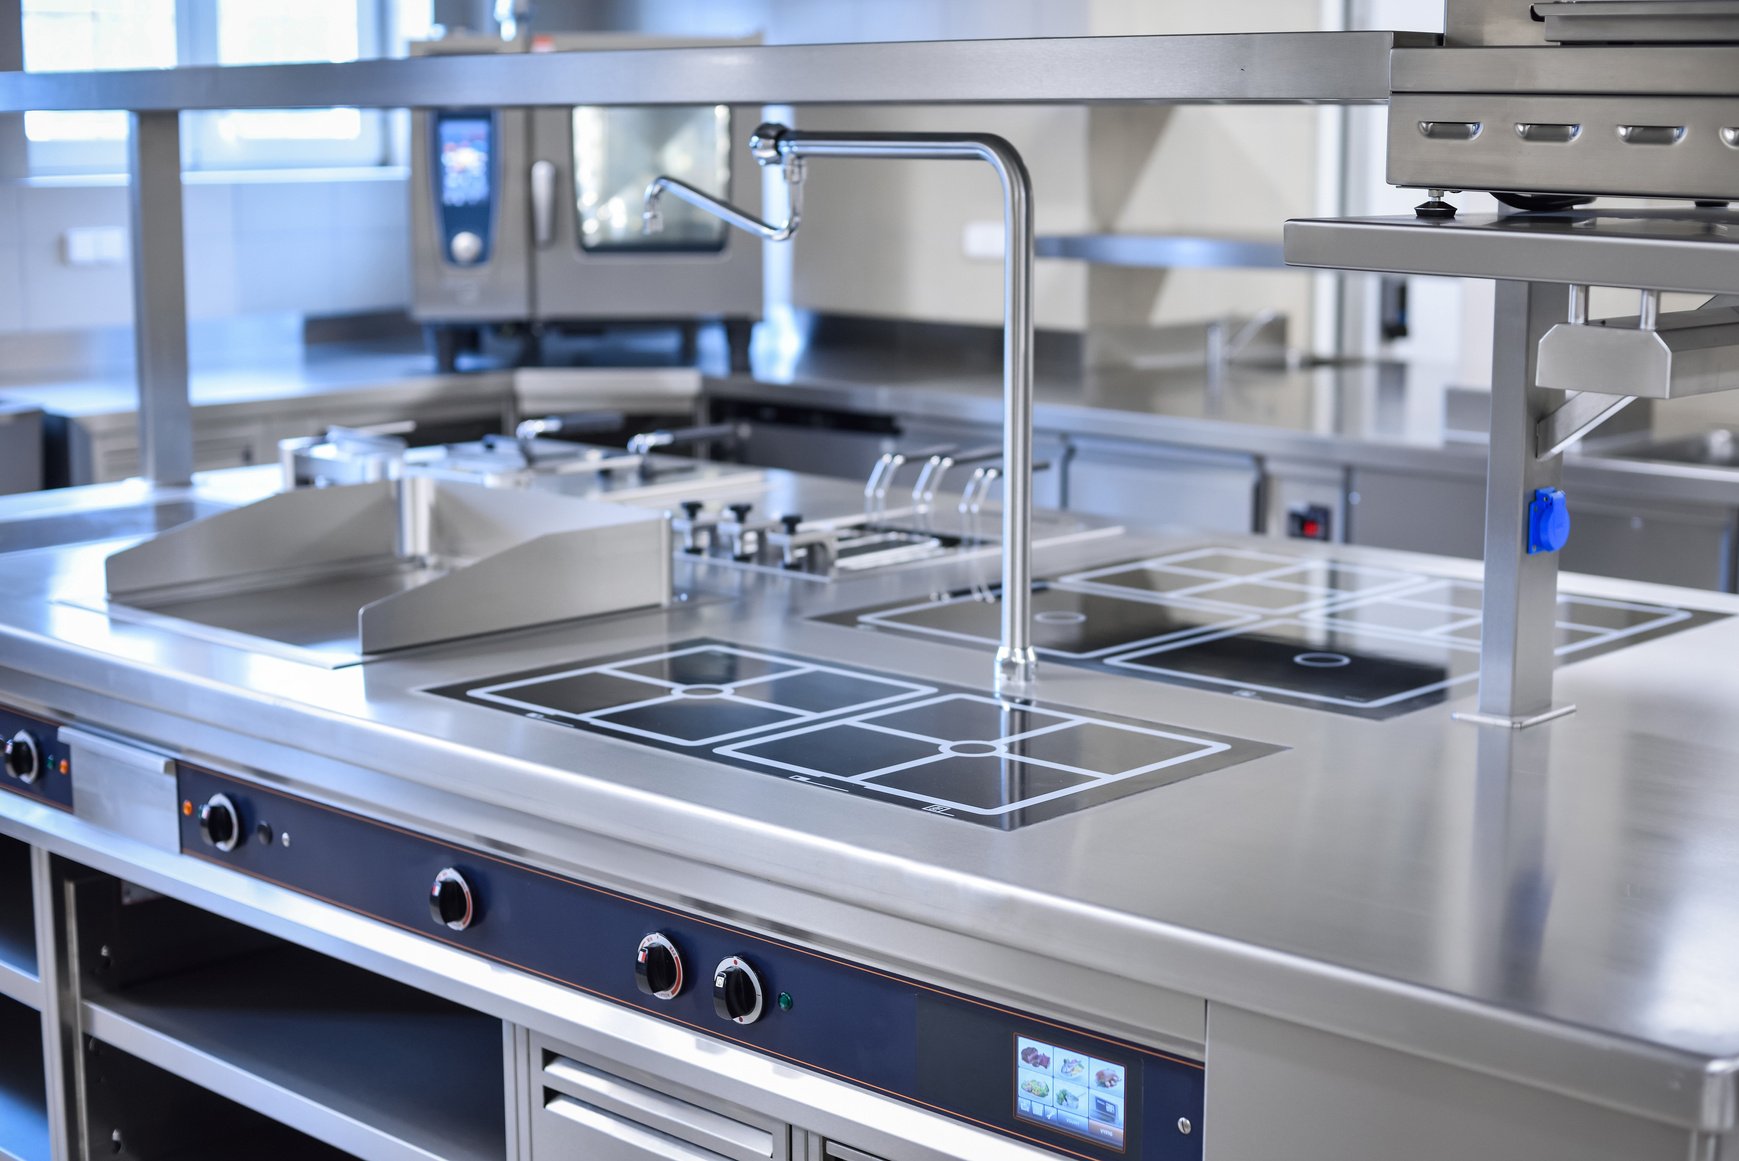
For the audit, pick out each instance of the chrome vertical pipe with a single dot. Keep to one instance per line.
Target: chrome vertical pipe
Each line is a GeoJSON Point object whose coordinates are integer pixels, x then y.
{"type": "Point", "coordinates": [1016, 660]}
{"type": "Point", "coordinates": [1578, 306]}
{"type": "Point", "coordinates": [1648, 318]}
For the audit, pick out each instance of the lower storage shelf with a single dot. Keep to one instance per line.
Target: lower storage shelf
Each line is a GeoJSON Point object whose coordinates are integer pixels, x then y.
{"type": "Point", "coordinates": [18, 974]}
{"type": "Point", "coordinates": [360, 1062]}
{"type": "Point", "coordinates": [23, 1091]}
{"type": "Point", "coordinates": [137, 1112]}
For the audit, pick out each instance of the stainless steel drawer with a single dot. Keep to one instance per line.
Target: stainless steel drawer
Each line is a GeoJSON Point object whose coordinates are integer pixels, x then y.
{"type": "Point", "coordinates": [833, 1151]}
{"type": "Point", "coordinates": [583, 1113]}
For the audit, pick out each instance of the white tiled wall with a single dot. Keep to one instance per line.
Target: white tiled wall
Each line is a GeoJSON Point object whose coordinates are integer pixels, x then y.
{"type": "Point", "coordinates": [309, 243]}
{"type": "Point", "coordinates": [887, 238]}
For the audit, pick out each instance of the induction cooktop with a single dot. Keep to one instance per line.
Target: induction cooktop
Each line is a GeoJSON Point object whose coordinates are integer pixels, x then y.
{"type": "Point", "coordinates": [1327, 634]}
{"type": "Point", "coordinates": [941, 749]}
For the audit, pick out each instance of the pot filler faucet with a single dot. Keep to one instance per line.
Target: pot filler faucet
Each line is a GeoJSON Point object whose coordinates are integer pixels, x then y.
{"type": "Point", "coordinates": [1016, 662]}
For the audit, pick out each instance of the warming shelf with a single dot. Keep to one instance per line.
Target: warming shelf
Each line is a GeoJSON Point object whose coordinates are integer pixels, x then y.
{"type": "Point", "coordinates": [1673, 249]}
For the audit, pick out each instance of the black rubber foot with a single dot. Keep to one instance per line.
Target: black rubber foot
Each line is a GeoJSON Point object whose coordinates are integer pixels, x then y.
{"type": "Point", "coordinates": [1434, 210]}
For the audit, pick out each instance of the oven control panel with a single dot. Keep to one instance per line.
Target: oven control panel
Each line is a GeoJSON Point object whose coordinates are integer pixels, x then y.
{"type": "Point", "coordinates": [1075, 1092]}
{"type": "Point", "coordinates": [466, 162]}
{"type": "Point", "coordinates": [35, 763]}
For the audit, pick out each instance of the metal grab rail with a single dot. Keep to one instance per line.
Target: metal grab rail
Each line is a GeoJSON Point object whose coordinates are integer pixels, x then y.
{"type": "Point", "coordinates": [1016, 661]}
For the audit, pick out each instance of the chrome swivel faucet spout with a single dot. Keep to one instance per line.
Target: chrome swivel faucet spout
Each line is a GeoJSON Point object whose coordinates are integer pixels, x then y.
{"type": "Point", "coordinates": [1016, 660]}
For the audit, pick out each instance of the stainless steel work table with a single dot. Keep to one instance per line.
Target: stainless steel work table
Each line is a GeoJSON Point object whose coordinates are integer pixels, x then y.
{"type": "Point", "coordinates": [1551, 906]}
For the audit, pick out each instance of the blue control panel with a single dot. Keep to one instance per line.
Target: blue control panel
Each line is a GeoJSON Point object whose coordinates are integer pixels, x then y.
{"type": "Point", "coordinates": [37, 764]}
{"type": "Point", "coordinates": [1076, 1092]}
{"type": "Point", "coordinates": [466, 163]}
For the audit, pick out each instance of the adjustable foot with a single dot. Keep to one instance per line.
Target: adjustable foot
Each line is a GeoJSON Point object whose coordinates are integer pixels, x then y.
{"type": "Point", "coordinates": [1434, 208]}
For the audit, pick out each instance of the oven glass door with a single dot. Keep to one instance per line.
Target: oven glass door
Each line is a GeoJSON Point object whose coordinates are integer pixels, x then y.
{"type": "Point", "coordinates": [617, 151]}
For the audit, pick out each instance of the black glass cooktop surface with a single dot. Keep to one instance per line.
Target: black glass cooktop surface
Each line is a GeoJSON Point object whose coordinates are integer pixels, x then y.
{"type": "Point", "coordinates": [937, 748]}
{"type": "Point", "coordinates": [1327, 634]}
{"type": "Point", "coordinates": [1066, 622]}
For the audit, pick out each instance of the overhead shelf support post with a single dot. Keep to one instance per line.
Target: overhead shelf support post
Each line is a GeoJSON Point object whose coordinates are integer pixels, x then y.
{"type": "Point", "coordinates": [160, 299]}
{"type": "Point", "coordinates": [1518, 615]}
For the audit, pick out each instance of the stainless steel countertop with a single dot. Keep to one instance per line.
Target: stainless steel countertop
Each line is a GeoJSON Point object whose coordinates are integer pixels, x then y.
{"type": "Point", "coordinates": [1553, 905]}
{"type": "Point", "coordinates": [354, 369]}
{"type": "Point", "coordinates": [1374, 415]}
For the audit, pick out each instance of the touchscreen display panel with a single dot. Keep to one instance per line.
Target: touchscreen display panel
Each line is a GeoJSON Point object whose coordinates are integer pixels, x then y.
{"type": "Point", "coordinates": [464, 143]}
{"type": "Point", "coordinates": [1070, 1091]}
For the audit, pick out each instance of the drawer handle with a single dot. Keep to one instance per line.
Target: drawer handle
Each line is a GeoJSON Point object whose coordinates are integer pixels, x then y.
{"type": "Point", "coordinates": [1451, 130]}
{"type": "Point", "coordinates": [1555, 134]}
{"type": "Point", "coordinates": [658, 1111]}
{"type": "Point", "coordinates": [645, 1142]}
{"type": "Point", "coordinates": [1651, 134]}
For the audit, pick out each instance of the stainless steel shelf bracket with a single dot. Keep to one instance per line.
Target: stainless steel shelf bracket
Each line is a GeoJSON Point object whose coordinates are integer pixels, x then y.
{"type": "Point", "coordinates": [1582, 412]}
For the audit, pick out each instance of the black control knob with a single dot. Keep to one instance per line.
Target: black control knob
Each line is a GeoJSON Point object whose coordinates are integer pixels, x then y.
{"type": "Point", "coordinates": [741, 512]}
{"type": "Point", "coordinates": [692, 508]}
{"type": "Point", "coordinates": [737, 994]}
{"type": "Point", "coordinates": [792, 522]}
{"type": "Point", "coordinates": [23, 759]}
{"type": "Point", "coordinates": [658, 967]}
{"type": "Point", "coordinates": [220, 824]}
{"type": "Point", "coordinates": [451, 903]}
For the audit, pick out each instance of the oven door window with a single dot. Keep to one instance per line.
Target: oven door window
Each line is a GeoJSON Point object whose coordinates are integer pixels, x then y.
{"type": "Point", "coordinates": [617, 151]}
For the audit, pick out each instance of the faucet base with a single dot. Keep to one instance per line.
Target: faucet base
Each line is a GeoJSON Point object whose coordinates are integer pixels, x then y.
{"type": "Point", "coordinates": [1016, 672]}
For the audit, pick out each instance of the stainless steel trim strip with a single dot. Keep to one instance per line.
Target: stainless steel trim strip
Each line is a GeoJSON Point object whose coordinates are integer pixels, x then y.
{"type": "Point", "coordinates": [1263, 67]}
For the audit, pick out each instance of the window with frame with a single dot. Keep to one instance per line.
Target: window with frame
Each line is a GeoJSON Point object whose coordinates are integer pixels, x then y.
{"type": "Point", "coordinates": [125, 34]}
{"type": "Point", "coordinates": [72, 35]}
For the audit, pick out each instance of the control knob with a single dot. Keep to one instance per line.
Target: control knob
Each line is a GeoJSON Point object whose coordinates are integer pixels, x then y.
{"type": "Point", "coordinates": [451, 903]}
{"type": "Point", "coordinates": [737, 994]}
{"type": "Point", "coordinates": [23, 759]}
{"type": "Point", "coordinates": [219, 823]}
{"type": "Point", "coordinates": [466, 247]}
{"type": "Point", "coordinates": [658, 967]}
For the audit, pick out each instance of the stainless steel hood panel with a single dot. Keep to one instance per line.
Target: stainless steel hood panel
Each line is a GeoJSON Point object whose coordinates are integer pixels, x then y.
{"type": "Point", "coordinates": [1553, 907]}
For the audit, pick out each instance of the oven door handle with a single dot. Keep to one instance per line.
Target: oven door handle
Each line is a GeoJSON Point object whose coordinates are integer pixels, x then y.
{"type": "Point", "coordinates": [543, 204]}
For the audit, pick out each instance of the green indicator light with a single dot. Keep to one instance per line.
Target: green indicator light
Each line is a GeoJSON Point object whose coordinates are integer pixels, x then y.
{"type": "Point", "coordinates": [786, 1003]}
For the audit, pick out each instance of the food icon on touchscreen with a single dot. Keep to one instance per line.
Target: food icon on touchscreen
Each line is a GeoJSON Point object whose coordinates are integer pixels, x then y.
{"type": "Point", "coordinates": [1072, 1067]}
{"type": "Point", "coordinates": [1109, 1079]}
{"type": "Point", "coordinates": [1035, 1057]}
{"type": "Point", "coordinates": [1071, 1098]}
{"type": "Point", "coordinates": [1035, 1087]}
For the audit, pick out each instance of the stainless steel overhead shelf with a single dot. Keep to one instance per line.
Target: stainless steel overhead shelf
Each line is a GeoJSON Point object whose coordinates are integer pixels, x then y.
{"type": "Point", "coordinates": [1279, 68]}
{"type": "Point", "coordinates": [1666, 249]}
{"type": "Point", "coordinates": [1163, 251]}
